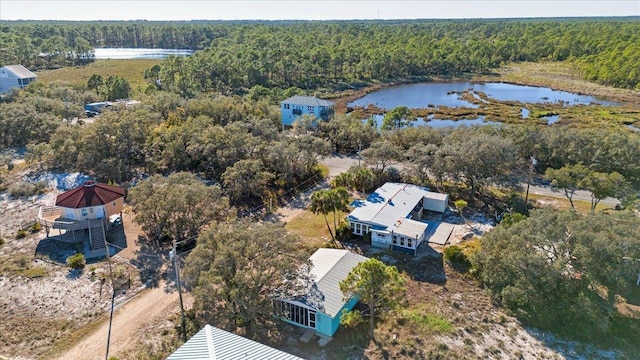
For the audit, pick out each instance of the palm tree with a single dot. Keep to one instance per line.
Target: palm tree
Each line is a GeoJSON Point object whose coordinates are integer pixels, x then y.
{"type": "Point", "coordinates": [339, 201]}
{"type": "Point", "coordinates": [321, 204]}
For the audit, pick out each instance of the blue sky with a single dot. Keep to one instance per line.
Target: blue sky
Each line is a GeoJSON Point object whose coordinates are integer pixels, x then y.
{"type": "Point", "coordinates": [308, 9]}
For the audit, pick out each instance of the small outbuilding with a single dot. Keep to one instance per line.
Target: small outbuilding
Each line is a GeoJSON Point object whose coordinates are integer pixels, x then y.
{"type": "Point", "coordinates": [15, 76]}
{"type": "Point", "coordinates": [321, 308]}
{"type": "Point", "coordinates": [211, 343]}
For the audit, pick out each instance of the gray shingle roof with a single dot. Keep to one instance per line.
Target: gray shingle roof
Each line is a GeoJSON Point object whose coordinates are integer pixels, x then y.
{"type": "Point", "coordinates": [20, 71]}
{"type": "Point", "coordinates": [306, 101]}
{"type": "Point", "coordinates": [330, 266]}
{"type": "Point", "coordinates": [211, 343]}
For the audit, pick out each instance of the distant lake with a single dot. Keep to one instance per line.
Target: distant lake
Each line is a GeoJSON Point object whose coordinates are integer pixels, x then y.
{"type": "Point", "coordinates": [423, 95]}
{"type": "Point", "coordinates": [135, 53]}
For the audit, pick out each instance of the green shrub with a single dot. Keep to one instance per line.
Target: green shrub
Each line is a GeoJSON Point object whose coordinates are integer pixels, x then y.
{"type": "Point", "coordinates": [21, 234]}
{"type": "Point", "coordinates": [1, 241]}
{"type": "Point", "coordinates": [455, 254]}
{"type": "Point", "coordinates": [36, 227]}
{"type": "Point", "coordinates": [24, 189]}
{"type": "Point", "coordinates": [426, 322]}
{"type": "Point", "coordinates": [343, 232]}
{"type": "Point", "coordinates": [34, 272]}
{"type": "Point", "coordinates": [76, 261]}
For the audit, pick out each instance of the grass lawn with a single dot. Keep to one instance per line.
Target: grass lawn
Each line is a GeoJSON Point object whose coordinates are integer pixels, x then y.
{"type": "Point", "coordinates": [312, 225]}
{"type": "Point", "coordinates": [563, 203]}
{"type": "Point", "coordinates": [132, 70]}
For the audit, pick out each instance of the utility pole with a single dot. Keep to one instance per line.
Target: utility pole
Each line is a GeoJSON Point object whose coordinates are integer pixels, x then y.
{"type": "Point", "coordinates": [174, 256]}
{"type": "Point", "coordinates": [113, 290]}
{"type": "Point", "coordinates": [531, 167]}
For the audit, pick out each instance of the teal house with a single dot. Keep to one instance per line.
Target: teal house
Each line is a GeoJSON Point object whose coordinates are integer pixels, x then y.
{"type": "Point", "coordinates": [320, 309]}
{"type": "Point", "coordinates": [296, 106]}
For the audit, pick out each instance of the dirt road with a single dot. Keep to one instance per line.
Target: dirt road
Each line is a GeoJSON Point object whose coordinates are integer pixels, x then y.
{"type": "Point", "coordinates": [342, 163]}
{"type": "Point", "coordinates": [150, 305]}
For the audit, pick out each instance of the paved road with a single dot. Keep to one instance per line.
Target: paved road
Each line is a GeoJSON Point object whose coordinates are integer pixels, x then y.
{"type": "Point", "coordinates": [342, 163]}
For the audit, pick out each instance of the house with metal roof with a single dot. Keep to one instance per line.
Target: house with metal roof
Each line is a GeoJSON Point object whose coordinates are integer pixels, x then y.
{"type": "Point", "coordinates": [211, 343]}
{"type": "Point", "coordinates": [296, 106]}
{"type": "Point", "coordinates": [15, 76]}
{"type": "Point", "coordinates": [321, 307]}
{"type": "Point", "coordinates": [90, 208]}
{"type": "Point", "coordinates": [392, 214]}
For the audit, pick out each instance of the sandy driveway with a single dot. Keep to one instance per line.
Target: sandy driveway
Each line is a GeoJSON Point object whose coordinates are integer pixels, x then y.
{"type": "Point", "coordinates": [148, 306]}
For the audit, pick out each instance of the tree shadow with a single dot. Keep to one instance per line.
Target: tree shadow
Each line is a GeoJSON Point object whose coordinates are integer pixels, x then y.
{"type": "Point", "coordinates": [55, 250]}
{"type": "Point", "coordinates": [426, 266]}
{"type": "Point", "coordinates": [150, 258]}
{"type": "Point", "coordinates": [75, 274]}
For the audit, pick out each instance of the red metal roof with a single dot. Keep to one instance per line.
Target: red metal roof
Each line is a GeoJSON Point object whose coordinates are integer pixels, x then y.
{"type": "Point", "coordinates": [89, 194]}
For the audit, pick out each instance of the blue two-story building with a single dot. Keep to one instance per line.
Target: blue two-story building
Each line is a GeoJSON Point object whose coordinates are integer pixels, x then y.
{"type": "Point", "coordinates": [296, 106]}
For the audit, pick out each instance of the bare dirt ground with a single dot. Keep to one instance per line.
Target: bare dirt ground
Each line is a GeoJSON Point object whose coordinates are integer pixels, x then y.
{"type": "Point", "coordinates": [45, 307]}
{"type": "Point", "coordinates": [150, 305]}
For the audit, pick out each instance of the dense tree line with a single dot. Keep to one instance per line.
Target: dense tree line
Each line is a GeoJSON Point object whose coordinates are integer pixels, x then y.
{"type": "Point", "coordinates": [233, 142]}
{"type": "Point", "coordinates": [563, 271]}
{"type": "Point", "coordinates": [312, 54]}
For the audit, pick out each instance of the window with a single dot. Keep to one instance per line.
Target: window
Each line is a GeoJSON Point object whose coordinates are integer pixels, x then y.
{"type": "Point", "coordinates": [114, 203]}
{"type": "Point", "coordinates": [310, 109]}
{"type": "Point", "coordinates": [297, 112]}
{"type": "Point", "coordinates": [395, 239]}
{"type": "Point", "coordinates": [402, 241]}
{"type": "Point", "coordinates": [409, 242]}
{"type": "Point", "coordinates": [287, 106]}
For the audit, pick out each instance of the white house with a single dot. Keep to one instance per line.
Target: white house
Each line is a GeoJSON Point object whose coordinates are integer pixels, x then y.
{"type": "Point", "coordinates": [321, 308]}
{"type": "Point", "coordinates": [391, 215]}
{"type": "Point", "coordinates": [296, 106]}
{"type": "Point", "coordinates": [14, 76]}
{"type": "Point", "coordinates": [88, 209]}
{"type": "Point", "coordinates": [213, 343]}
{"type": "Point", "coordinates": [91, 201]}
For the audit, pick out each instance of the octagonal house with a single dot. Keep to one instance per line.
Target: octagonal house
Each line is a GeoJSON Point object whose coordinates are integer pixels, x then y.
{"type": "Point", "coordinates": [85, 212]}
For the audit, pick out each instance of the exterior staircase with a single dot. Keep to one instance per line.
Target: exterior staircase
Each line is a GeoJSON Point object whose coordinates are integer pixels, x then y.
{"type": "Point", "coordinates": [97, 235]}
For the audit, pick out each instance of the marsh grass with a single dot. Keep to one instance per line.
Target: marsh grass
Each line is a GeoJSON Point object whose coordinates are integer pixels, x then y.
{"type": "Point", "coordinates": [77, 76]}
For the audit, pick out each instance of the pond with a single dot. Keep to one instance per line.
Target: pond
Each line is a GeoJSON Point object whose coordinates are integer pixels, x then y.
{"type": "Point", "coordinates": [139, 53]}
{"type": "Point", "coordinates": [434, 94]}
{"type": "Point", "coordinates": [441, 123]}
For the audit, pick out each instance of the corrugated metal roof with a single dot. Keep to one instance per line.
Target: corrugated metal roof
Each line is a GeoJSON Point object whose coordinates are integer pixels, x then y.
{"type": "Point", "coordinates": [20, 71]}
{"type": "Point", "coordinates": [408, 227]}
{"type": "Point", "coordinates": [387, 203]}
{"type": "Point", "coordinates": [89, 194]}
{"type": "Point", "coordinates": [306, 101]}
{"type": "Point", "coordinates": [330, 266]}
{"type": "Point", "coordinates": [390, 202]}
{"type": "Point", "coordinates": [211, 343]}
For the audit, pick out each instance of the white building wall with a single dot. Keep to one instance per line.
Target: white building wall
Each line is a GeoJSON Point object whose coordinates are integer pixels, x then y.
{"type": "Point", "coordinates": [439, 205]}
